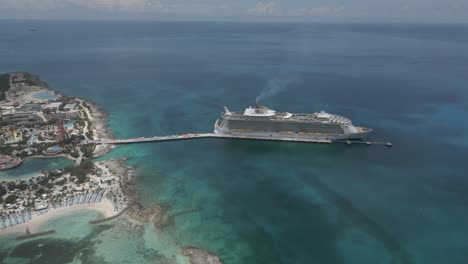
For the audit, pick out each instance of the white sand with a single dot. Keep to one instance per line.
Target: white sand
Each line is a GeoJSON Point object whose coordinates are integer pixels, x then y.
{"type": "Point", "coordinates": [36, 222]}
{"type": "Point", "coordinates": [26, 94]}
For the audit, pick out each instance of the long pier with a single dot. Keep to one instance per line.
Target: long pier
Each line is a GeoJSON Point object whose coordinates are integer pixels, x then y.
{"type": "Point", "coordinates": [102, 220]}
{"type": "Point", "coordinates": [33, 235]}
{"type": "Point", "coordinates": [228, 136]}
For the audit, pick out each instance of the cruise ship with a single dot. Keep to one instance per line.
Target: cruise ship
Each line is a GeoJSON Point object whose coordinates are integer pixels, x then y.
{"type": "Point", "coordinates": [259, 121]}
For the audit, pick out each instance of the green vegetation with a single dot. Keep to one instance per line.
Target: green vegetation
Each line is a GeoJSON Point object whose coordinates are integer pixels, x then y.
{"type": "Point", "coordinates": [81, 122]}
{"type": "Point", "coordinates": [88, 150]}
{"type": "Point", "coordinates": [23, 154]}
{"type": "Point", "coordinates": [6, 150]}
{"type": "Point", "coordinates": [27, 81]}
{"type": "Point", "coordinates": [3, 191]}
{"type": "Point", "coordinates": [55, 174]}
{"type": "Point", "coordinates": [81, 171]}
{"type": "Point", "coordinates": [11, 199]}
{"type": "Point", "coordinates": [40, 192]}
{"type": "Point", "coordinates": [62, 181]}
{"type": "Point", "coordinates": [3, 122]}
{"type": "Point", "coordinates": [22, 185]}
{"type": "Point", "coordinates": [44, 181]}
{"type": "Point", "coordinates": [43, 146]}
{"type": "Point", "coordinates": [4, 85]}
{"type": "Point", "coordinates": [89, 134]}
{"type": "Point", "coordinates": [71, 139]}
{"type": "Point", "coordinates": [74, 154]}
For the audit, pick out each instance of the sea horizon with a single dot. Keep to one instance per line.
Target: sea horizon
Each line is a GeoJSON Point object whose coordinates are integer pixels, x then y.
{"type": "Point", "coordinates": [253, 21]}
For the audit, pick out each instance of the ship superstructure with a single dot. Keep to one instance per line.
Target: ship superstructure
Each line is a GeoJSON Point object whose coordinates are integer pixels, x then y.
{"type": "Point", "coordinates": [261, 121]}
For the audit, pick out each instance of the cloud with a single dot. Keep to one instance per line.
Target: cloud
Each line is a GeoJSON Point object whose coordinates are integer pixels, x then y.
{"type": "Point", "coordinates": [360, 10]}
{"type": "Point", "coordinates": [28, 4]}
{"type": "Point", "coordinates": [317, 11]}
{"type": "Point", "coordinates": [123, 6]}
{"type": "Point", "coordinates": [199, 9]}
{"type": "Point", "coordinates": [271, 9]}
{"type": "Point", "coordinates": [118, 5]}
{"type": "Point", "coordinates": [89, 4]}
{"type": "Point", "coordinates": [261, 8]}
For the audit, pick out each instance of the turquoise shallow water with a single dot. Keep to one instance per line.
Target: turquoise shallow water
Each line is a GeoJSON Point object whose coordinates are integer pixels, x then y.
{"type": "Point", "coordinates": [266, 202]}
{"type": "Point", "coordinates": [44, 95]}
{"type": "Point", "coordinates": [33, 167]}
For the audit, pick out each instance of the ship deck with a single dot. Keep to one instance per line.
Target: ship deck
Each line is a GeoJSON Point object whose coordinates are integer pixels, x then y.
{"type": "Point", "coordinates": [290, 117]}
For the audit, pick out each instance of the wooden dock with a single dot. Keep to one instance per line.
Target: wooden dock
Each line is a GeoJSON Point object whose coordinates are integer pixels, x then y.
{"type": "Point", "coordinates": [227, 136]}
{"type": "Point", "coordinates": [102, 220]}
{"type": "Point", "coordinates": [29, 235]}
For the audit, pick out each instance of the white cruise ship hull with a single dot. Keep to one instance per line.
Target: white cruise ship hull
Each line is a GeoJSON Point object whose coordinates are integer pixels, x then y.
{"type": "Point", "coordinates": [357, 134]}
{"type": "Point", "coordinates": [261, 122]}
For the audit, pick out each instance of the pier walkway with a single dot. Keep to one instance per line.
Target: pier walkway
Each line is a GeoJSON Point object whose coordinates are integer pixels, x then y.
{"type": "Point", "coordinates": [226, 136]}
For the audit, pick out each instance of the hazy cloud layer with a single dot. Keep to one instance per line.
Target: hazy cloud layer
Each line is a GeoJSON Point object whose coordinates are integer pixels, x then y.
{"type": "Point", "coordinates": [356, 10]}
{"type": "Point", "coordinates": [262, 9]}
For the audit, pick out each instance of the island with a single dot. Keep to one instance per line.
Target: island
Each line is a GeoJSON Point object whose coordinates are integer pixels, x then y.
{"type": "Point", "coordinates": [38, 122]}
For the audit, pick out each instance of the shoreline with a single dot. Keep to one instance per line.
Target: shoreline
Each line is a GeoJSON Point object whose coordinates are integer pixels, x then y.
{"type": "Point", "coordinates": [62, 156]}
{"type": "Point", "coordinates": [37, 222]}
{"type": "Point", "coordinates": [101, 127]}
{"type": "Point", "coordinates": [113, 203]}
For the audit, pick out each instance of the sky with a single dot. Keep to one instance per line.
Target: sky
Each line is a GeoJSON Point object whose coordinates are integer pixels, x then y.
{"type": "Point", "coordinates": [240, 10]}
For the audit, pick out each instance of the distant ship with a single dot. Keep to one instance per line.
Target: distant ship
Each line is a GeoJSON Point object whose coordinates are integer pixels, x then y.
{"type": "Point", "coordinates": [259, 121]}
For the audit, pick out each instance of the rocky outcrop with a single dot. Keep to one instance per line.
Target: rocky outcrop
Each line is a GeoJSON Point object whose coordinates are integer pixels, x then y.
{"type": "Point", "coordinates": [157, 214]}
{"type": "Point", "coordinates": [198, 256]}
{"type": "Point", "coordinates": [29, 79]}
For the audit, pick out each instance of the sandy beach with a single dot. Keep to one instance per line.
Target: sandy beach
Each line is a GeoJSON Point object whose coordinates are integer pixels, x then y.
{"type": "Point", "coordinates": [30, 94]}
{"type": "Point", "coordinates": [37, 221]}
{"type": "Point", "coordinates": [109, 167]}
{"type": "Point", "coordinates": [26, 94]}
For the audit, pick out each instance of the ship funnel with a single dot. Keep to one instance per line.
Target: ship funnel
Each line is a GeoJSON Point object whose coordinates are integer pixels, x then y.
{"type": "Point", "coordinates": [227, 111]}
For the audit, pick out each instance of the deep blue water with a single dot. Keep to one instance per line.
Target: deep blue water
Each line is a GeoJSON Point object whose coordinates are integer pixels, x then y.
{"type": "Point", "coordinates": [266, 202]}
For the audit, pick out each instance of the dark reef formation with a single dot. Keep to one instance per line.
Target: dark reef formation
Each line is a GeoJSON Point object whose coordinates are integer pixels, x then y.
{"type": "Point", "coordinates": [198, 256]}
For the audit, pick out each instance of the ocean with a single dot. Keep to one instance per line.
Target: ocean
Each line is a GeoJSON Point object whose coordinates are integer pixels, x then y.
{"type": "Point", "coordinates": [264, 202]}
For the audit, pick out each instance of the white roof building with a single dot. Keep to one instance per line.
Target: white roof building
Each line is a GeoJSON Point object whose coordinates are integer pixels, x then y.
{"type": "Point", "coordinates": [53, 105]}
{"type": "Point", "coordinates": [71, 106]}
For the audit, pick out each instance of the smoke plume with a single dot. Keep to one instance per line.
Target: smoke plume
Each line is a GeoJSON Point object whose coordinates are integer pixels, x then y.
{"type": "Point", "coordinates": [274, 86]}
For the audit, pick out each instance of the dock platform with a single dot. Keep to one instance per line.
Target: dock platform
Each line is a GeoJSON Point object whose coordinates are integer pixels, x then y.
{"type": "Point", "coordinates": [227, 136]}
{"type": "Point", "coordinates": [29, 235]}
